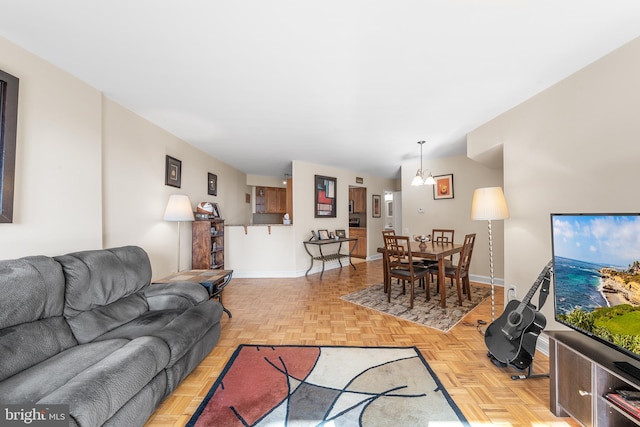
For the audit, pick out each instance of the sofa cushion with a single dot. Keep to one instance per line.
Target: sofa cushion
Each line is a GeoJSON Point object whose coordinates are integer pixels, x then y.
{"type": "Point", "coordinates": [104, 289]}
{"type": "Point", "coordinates": [34, 383]}
{"type": "Point", "coordinates": [32, 328]}
{"type": "Point", "coordinates": [99, 391]}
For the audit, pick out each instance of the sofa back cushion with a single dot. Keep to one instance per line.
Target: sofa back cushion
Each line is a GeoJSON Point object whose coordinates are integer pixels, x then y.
{"type": "Point", "coordinates": [104, 289]}
{"type": "Point", "coordinates": [32, 327]}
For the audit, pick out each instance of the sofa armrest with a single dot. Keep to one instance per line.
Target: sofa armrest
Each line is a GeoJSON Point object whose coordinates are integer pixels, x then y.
{"type": "Point", "coordinates": [175, 295]}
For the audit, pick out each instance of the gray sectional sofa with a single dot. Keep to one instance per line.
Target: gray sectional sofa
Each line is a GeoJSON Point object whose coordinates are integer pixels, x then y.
{"type": "Point", "coordinates": [88, 330]}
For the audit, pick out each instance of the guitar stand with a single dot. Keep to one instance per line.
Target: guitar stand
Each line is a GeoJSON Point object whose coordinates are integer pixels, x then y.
{"type": "Point", "coordinates": [528, 375]}
{"type": "Point", "coordinates": [500, 364]}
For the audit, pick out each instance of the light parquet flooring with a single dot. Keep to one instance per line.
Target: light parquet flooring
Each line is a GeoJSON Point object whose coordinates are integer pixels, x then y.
{"type": "Point", "coordinates": [308, 311]}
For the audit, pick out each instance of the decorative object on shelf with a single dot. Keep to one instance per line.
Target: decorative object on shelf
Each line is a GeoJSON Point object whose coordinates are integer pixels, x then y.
{"type": "Point", "coordinates": [443, 188]}
{"type": "Point", "coordinates": [323, 234]}
{"type": "Point", "coordinates": [172, 172]}
{"type": "Point", "coordinates": [286, 219]}
{"type": "Point", "coordinates": [314, 236]}
{"type": "Point", "coordinates": [420, 179]}
{"type": "Point", "coordinates": [325, 197]}
{"type": "Point", "coordinates": [217, 214]}
{"type": "Point", "coordinates": [205, 208]}
{"type": "Point", "coordinates": [178, 209]}
{"type": "Point", "coordinates": [489, 204]}
{"type": "Point", "coordinates": [341, 234]}
{"type": "Point", "coordinates": [212, 184]}
{"type": "Point", "coordinates": [376, 208]}
{"type": "Point", "coordinates": [8, 132]}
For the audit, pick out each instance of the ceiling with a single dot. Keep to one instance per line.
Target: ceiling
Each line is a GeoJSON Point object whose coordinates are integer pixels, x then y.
{"type": "Point", "coordinates": [348, 83]}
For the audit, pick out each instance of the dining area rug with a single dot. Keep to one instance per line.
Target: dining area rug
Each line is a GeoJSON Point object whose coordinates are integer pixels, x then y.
{"type": "Point", "coordinates": [303, 386]}
{"type": "Point", "coordinates": [427, 313]}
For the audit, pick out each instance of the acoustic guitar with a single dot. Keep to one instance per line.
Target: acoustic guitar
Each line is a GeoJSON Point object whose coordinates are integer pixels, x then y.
{"type": "Point", "coordinates": [512, 337]}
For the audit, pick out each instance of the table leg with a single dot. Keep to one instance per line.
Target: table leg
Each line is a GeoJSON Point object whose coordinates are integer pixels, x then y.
{"type": "Point", "coordinates": [321, 256]}
{"type": "Point", "coordinates": [216, 291]}
{"type": "Point", "coordinates": [355, 243]}
{"type": "Point", "coordinates": [443, 293]}
{"type": "Point", "coordinates": [311, 255]}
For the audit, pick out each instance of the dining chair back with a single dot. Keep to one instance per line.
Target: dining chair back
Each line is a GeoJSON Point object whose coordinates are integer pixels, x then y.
{"type": "Point", "coordinates": [401, 266]}
{"type": "Point", "coordinates": [442, 235]}
{"type": "Point", "coordinates": [460, 272]}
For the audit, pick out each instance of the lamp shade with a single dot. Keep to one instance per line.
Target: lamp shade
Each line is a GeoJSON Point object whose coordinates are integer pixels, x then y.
{"type": "Point", "coordinates": [178, 208]}
{"type": "Point", "coordinates": [488, 204]}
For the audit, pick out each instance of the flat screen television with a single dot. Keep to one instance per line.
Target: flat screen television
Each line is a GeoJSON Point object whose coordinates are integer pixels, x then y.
{"type": "Point", "coordinates": [596, 276]}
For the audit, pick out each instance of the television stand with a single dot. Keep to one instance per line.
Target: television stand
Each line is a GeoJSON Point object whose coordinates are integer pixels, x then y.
{"type": "Point", "coordinates": [628, 368]}
{"type": "Point", "coordinates": [582, 372]}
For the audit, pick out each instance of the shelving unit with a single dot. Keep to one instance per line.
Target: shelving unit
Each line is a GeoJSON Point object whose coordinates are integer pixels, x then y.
{"type": "Point", "coordinates": [207, 244]}
{"type": "Point", "coordinates": [582, 372]}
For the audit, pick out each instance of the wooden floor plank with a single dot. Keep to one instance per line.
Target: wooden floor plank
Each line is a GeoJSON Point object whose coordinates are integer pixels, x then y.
{"type": "Point", "coordinates": [309, 311]}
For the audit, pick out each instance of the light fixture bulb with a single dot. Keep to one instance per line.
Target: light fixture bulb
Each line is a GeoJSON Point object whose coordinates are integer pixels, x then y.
{"type": "Point", "coordinates": [417, 180]}
{"type": "Point", "coordinates": [429, 180]}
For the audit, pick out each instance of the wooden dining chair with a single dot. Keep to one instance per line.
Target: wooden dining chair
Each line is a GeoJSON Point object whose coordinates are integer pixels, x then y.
{"type": "Point", "coordinates": [401, 266]}
{"type": "Point", "coordinates": [441, 235]}
{"type": "Point", "coordinates": [460, 272]}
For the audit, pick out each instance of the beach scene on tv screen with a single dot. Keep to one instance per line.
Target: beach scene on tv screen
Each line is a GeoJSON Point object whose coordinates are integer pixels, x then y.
{"type": "Point", "coordinates": [597, 275]}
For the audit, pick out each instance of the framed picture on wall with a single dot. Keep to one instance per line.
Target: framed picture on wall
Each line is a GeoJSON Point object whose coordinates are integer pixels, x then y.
{"type": "Point", "coordinates": [325, 197]}
{"type": "Point", "coordinates": [443, 188]}
{"type": "Point", "coordinates": [8, 132]}
{"type": "Point", "coordinates": [212, 184]}
{"type": "Point", "coordinates": [376, 200]}
{"type": "Point", "coordinates": [172, 172]}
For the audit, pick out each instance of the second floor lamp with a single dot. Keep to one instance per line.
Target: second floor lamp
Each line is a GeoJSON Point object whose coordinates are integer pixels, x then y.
{"type": "Point", "coordinates": [489, 204]}
{"type": "Point", "coordinates": [178, 209]}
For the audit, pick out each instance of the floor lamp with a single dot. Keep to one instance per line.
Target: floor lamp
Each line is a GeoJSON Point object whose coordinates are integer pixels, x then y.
{"type": "Point", "coordinates": [178, 209]}
{"type": "Point", "coordinates": [489, 204]}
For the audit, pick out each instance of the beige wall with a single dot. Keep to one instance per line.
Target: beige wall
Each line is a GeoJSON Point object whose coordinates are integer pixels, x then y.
{"type": "Point", "coordinates": [303, 205]}
{"type": "Point", "coordinates": [455, 213]}
{"type": "Point", "coordinates": [90, 174]}
{"type": "Point", "coordinates": [572, 148]}
{"type": "Point", "coordinates": [57, 202]}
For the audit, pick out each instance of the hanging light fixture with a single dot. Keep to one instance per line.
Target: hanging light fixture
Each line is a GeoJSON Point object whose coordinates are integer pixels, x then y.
{"type": "Point", "coordinates": [419, 179]}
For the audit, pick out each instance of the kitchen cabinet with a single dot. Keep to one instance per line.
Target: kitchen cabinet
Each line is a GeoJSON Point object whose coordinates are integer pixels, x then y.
{"type": "Point", "coordinates": [359, 197]}
{"type": "Point", "coordinates": [360, 250]}
{"type": "Point", "coordinates": [271, 200]}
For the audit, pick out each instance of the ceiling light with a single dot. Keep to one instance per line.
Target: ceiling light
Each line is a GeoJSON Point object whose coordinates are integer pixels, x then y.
{"type": "Point", "coordinates": [419, 179]}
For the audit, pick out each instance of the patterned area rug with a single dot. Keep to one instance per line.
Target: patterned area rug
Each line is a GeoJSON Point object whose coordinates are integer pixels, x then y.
{"type": "Point", "coordinates": [298, 386]}
{"type": "Point", "coordinates": [427, 313]}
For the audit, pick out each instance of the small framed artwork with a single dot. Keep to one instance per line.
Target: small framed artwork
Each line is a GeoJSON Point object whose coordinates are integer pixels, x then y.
{"type": "Point", "coordinates": [325, 197]}
{"type": "Point", "coordinates": [212, 184]}
{"type": "Point", "coordinates": [314, 236]}
{"type": "Point", "coordinates": [172, 172]}
{"type": "Point", "coordinates": [216, 211]}
{"type": "Point", "coordinates": [376, 208]}
{"type": "Point", "coordinates": [341, 234]}
{"type": "Point", "coordinates": [443, 188]}
{"type": "Point", "coordinates": [323, 234]}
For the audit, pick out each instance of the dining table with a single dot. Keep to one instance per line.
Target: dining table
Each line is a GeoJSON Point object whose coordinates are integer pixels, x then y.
{"type": "Point", "coordinates": [436, 251]}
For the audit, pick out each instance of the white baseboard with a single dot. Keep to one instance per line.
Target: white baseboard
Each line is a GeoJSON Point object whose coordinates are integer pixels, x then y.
{"type": "Point", "coordinates": [497, 281]}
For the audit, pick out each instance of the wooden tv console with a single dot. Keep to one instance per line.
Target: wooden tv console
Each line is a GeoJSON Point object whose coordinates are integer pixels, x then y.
{"type": "Point", "coordinates": [582, 372]}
